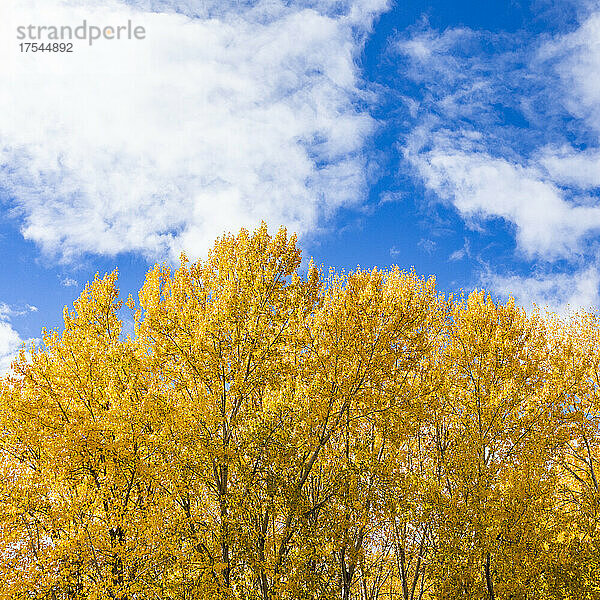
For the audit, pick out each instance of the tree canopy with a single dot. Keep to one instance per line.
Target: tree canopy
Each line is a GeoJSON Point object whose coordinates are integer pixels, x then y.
{"type": "Point", "coordinates": [267, 435]}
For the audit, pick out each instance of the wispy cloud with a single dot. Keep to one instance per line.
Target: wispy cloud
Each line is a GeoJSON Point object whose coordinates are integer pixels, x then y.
{"type": "Point", "coordinates": [69, 282]}
{"type": "Point", "coordinates": [10, 340]}
{"type": "Point", "coordinates": [7, 311]}
{"type": "Point", "coordinates": [482, 186]}
{"type": "Point", "coordinates": [427, 245]}
{"type": "Point", "coordinates": [221, 117]}
{"type": "Point", "coordinates": [507, 127]}
{"type": "Point", "coordinates": [561, 292]}
{"type": "Point", "coordinates": [464, 252]}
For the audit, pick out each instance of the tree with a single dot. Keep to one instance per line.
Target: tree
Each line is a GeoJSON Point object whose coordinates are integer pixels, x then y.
{"type": "Point", "coordinates": [78, 492]}
{"type": "Point", "coordinates": [269, 435]}
{"type": "Point", "coordinates": [497, 431]}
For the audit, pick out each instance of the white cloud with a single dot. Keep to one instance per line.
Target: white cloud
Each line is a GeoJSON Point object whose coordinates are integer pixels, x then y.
{"type": "Point", "coordinates": [576, 58]}
{"type": "Point", "coordinates": [243, 113]}
{"type": "Point", "coordinates": [563, 293]}
{"type": "Point", "coordinates": [355, 11]}
{"type": "Point", "coordinates": [69, 282]}
{"type": "Point", "coordinates": [434, 47]}
{"type": "Point", "coordinates": [7, 311]}
{"type": "Point", "coordinates": [427, 245]}
{"type": "Point", "coordinates": [508, 127]}
{"type": "Point", "coordinates": [571, 167]}
{"type": "Point", "coordinates": [10, 340]}
{"type": "Point", "coordinates": [461, 253]}
{"type": "Point", "coordinates": [482, 186]}
{"type": "Point", "coordinates": [465, 153]}
{"type": "Point", "coordinates": [457, 255]}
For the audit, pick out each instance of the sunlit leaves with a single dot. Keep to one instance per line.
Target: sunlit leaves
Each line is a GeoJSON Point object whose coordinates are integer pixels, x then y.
{"type": "Point", "coordinates": [273, 435]}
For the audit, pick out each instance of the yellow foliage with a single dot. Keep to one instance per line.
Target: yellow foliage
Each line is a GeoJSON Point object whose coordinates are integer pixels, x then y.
{"type": "Point", "coordinates": [270, 435]}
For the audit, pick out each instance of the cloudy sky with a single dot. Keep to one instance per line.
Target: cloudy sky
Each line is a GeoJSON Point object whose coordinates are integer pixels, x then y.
{"type": "Point", "coordinates": [461, 138]}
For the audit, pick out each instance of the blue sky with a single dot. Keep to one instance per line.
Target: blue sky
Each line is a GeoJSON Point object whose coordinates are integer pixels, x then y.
{"type": "Point", "coordinates": [459, 138]}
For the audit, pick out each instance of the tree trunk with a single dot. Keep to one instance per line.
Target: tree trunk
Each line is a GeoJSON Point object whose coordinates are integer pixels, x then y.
{"type": "Point", "coordinates": [488, 577]}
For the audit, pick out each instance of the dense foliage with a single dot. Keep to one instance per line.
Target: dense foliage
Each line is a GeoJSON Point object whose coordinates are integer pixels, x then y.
{"type": "Point", "coordinates": [267, 436]}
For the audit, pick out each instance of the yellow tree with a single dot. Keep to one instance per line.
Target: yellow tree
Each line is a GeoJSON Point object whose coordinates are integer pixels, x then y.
{"type": "Point", "coordinates": [271, 382]}
{"type": "Point", "coordinates": [574, 549]}
{"type": "Point", "coordinates": [370, 341]}
{"type": "Point", "coordinates": [226, 336]}
{"type": "Point", "coordinates": [497, 432]}
{"type": "Point", "coordinates": [78, 494]}
{"type": "Point", "coordinates": [271, 436]}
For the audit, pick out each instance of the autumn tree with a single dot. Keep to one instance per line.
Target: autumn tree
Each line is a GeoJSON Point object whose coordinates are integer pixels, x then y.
{"type": "Point", "coordinates": [271, 433]}
{"type": "Point", "coordinates": [78, 488]}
